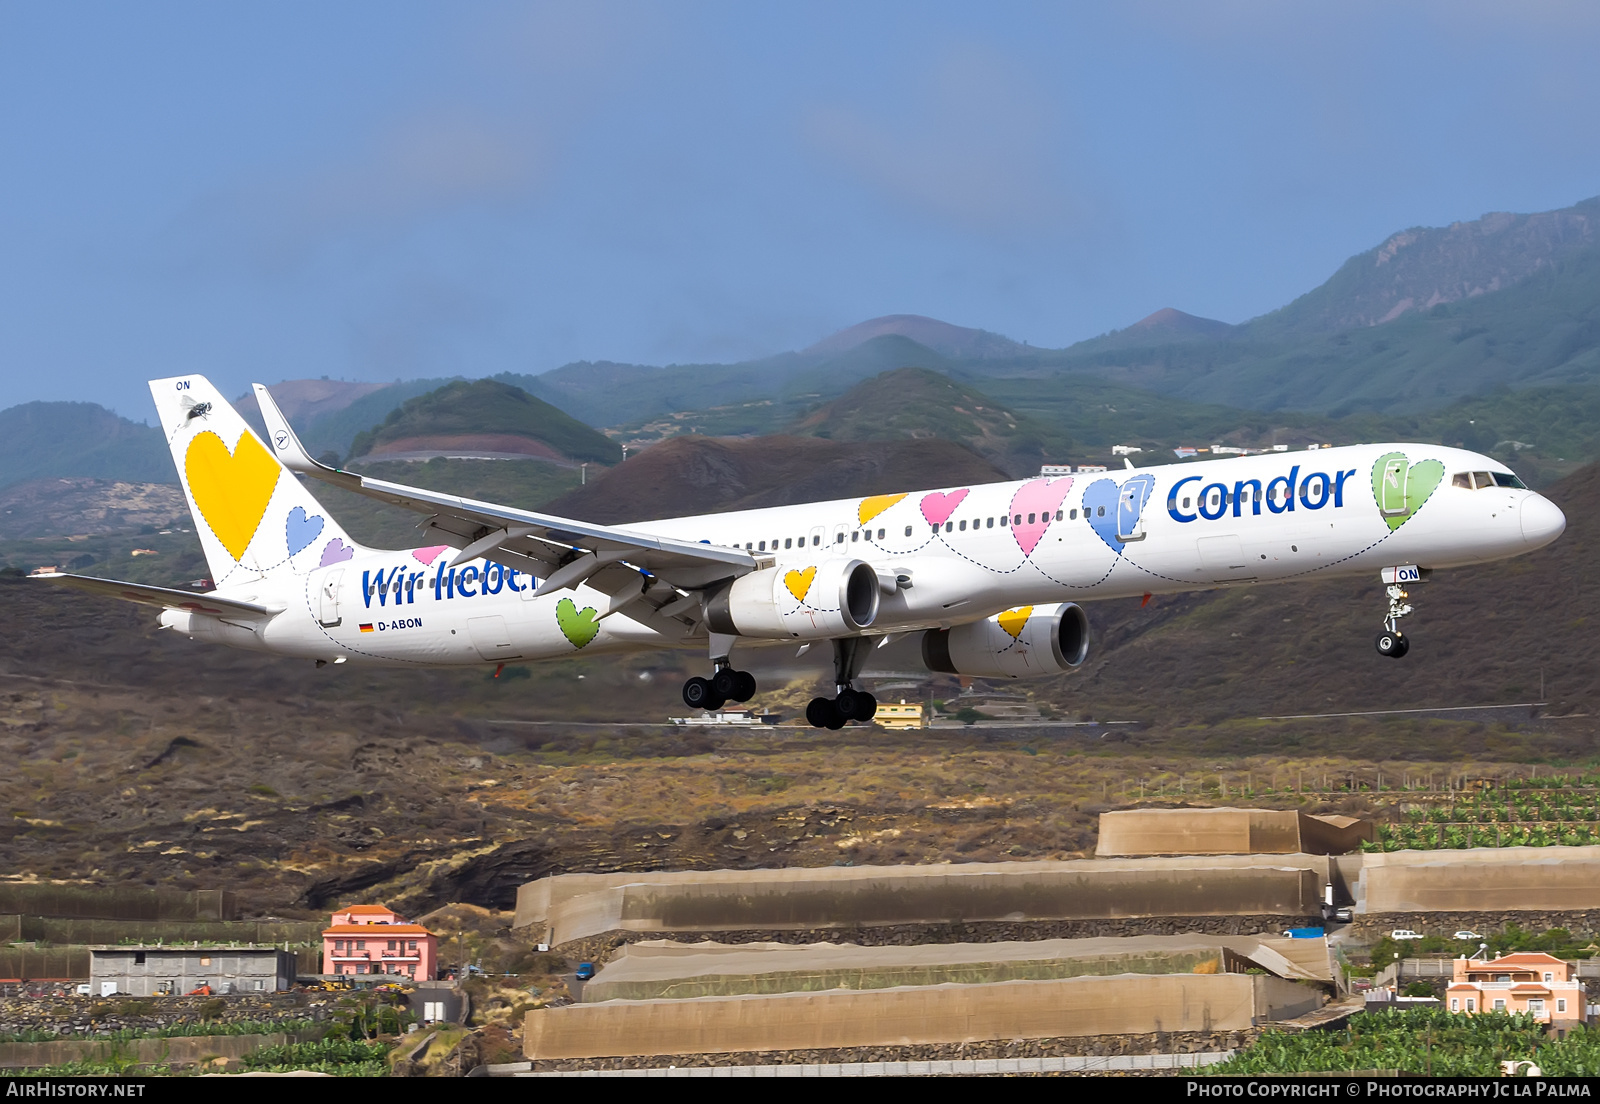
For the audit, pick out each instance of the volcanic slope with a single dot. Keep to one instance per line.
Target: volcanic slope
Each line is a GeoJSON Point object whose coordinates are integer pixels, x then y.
{"type": "Point", "coordinates": [138, 756]}
{"type": "Point", "coordinates": [697, 475]}
{"type": "Point", "coordinates": [483, 416]}
{"type": "Point", "coordinates": [1492, 634]}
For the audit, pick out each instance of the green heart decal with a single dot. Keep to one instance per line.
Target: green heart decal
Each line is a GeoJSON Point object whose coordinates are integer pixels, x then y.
{"type": "Point", "coordinates": [1401, 487]}
{"type": "Point", "coordinates": [578, 626]}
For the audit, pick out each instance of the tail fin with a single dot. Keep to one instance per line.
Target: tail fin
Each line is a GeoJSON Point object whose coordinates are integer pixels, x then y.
{"type": "Point", "coordinates": [255, 519]}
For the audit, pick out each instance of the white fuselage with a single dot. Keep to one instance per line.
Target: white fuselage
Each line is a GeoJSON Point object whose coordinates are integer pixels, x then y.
{"type": "Point", "coordinates": [963, 551]}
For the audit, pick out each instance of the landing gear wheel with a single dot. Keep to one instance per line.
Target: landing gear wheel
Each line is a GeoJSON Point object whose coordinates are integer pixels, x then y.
{"type": "Point", "coordinates": [725, 683]}
{"type": "Point", "coordinates": [1405, 646]}
{"type": "Point", "coordinates": [821, 712]}
{"type": "Point", "coordinates": [746, 688]}
{"type": "Point", "coordinates": [837, 719]}
{"type": "Point", "coordinates": [848, 703]}
{"type": "Point", "coordinates": [697, 694]}
{"type": "Point", "coordinates": [1391, 644]}
{"type": "Point", "coordinates": [866, 706]}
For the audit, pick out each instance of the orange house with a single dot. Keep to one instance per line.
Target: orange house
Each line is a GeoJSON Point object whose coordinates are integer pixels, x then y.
{"type": "Point", "coordinates": [1535, 984]}
{"type": "Point", "coordinates": [370, 939]}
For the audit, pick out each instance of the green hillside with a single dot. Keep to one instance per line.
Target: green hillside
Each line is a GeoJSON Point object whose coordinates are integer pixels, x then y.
{"type": "Point", "coordinates": [337, 431]}
{"type": "Point", "coordinates": [1509, 301]}
{"type": "Point", "coordinates": [1543, 432]}
{"type": "Point", "coordinates": [1545, 330]}
{"type": "Point", "coordinates": [64, 439]}
{"type": "Point", "coordinates": [918, 403]}
{"type": "Point", "coordinates": [484, 407]}
{"type": "Point", "coordinates": [770, 391]}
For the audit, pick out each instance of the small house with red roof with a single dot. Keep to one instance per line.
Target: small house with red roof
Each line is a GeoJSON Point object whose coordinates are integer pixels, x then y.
{"type": "Point", "coordinates": [1534, 984]}
{"type": "Point", "coordinates": [371, 939]}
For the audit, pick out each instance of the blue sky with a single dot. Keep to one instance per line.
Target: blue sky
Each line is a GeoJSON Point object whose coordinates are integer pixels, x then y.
{"type": "Point", "coordinates": [388, 190]}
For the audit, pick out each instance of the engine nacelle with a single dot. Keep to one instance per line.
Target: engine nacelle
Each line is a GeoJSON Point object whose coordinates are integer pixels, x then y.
{"type": "Point", "coordinates": [1026, 642]}
{"type": "Point", "coordinates": [833, 598]}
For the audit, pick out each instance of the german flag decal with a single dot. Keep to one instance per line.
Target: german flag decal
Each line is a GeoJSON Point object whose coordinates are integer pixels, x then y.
{"type": "Point", "coordinates": [366, 628]}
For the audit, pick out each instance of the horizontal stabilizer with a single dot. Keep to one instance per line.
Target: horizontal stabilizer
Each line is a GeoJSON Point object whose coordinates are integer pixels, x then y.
{"type": "Point", "coordinates": [161, 597]}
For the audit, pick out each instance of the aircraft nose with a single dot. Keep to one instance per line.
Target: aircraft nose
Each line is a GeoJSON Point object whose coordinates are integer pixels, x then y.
{"type": "Point", "coordinates": [1542, 520]}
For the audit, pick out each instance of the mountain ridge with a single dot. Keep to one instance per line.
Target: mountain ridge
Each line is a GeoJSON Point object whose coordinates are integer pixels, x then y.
{"type": "Point", "coordinates": [485, 416]}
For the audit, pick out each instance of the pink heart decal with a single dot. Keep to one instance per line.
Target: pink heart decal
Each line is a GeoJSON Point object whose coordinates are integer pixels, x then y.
{"type": "Point", "coordinates": [335, 551]}
{"type": "Point", "coordinates": [1038, 499]}
{"type": "Point", "coordinates": [429, 554]}
{"type": "Point", "coordinates": [938, 506]}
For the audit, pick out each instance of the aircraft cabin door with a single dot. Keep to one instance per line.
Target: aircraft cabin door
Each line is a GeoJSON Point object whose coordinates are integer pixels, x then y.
{"type": "Point", "coordinates": [1131, 502]}
{"type": "Point", "coordinates": [328, 599]}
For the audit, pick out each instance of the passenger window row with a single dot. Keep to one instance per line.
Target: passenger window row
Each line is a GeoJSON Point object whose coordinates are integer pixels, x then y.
{"type": "Point", "coordinates": [949, 527]}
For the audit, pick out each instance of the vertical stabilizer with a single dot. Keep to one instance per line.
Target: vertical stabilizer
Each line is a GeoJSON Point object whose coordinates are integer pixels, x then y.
{"type": "Point", "coordinates": [255, 519]}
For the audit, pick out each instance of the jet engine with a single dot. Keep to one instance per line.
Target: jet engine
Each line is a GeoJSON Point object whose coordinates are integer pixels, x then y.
{"type": "Point", "coordinates": [1026, 642]}
{"type": "Point", "coordinates": [820, 601]}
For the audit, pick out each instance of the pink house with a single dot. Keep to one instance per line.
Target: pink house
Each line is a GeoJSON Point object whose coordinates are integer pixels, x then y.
{"type": "Point", "coordinates": [1538, 985]}
{"type": "Point", "coordinates": [370, 939]}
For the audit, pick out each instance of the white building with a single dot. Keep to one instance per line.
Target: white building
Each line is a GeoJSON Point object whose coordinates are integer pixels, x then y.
{"type": "Point", "coordinates": [173, 971]}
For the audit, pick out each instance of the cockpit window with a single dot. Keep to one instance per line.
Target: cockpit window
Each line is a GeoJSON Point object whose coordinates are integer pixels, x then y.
{"type": "Point", "coordinates": [1481, 480]}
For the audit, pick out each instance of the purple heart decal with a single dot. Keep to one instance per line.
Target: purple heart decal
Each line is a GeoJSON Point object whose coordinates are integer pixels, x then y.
{"type": "Point", "coordinates": [938, 506]}
{"type": "Point", "coordinates": [336, 552]}
{"type": "Point", "coordinates": [299, 531]}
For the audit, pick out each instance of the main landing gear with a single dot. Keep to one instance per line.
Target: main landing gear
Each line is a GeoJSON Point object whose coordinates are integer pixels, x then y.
{"type": "Point", "coordinates": [848, 704]}
{"type": "Point", "coordinates": [1391, 641]}
{"type": "Point", "coordinates": [721, 688]}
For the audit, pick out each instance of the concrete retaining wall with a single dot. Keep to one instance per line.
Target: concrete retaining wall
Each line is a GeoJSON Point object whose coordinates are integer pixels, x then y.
{"type": "Point", "coordinates": [572, 907]}
{"type": "Point", "coordinates": [1479, 880]}
{"type": "Point", "coordinates": [1122, 1004]}
{"type": "Point", "coordinates": [1227, 831]}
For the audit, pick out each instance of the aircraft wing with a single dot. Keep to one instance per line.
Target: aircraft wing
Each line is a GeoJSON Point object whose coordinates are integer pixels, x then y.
{"type": "Point", "coordinates": [161, 597]}
{"type": "Point", "coordinates": [561, 552]}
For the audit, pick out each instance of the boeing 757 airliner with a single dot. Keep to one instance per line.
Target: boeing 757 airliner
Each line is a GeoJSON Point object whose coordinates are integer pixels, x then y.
{"type": "Point", "coordinates": [990, 576]}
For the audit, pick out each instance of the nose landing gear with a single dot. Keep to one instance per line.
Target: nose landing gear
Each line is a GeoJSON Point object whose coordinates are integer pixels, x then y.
{"type": "Point", "coordinates": [848, 704]}
{"type": "Point", "coordinates": [1391, 641]}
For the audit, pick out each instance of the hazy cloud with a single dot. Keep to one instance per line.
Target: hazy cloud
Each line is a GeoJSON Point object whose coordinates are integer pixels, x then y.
{"type": "Point", "coordinates": [978, 145]}
{"type": "Point", "coordinates": [423, 167]}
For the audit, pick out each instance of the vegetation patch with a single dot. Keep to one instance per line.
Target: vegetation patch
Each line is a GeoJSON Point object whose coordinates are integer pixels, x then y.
{"type": "Point", "coordinates": [1421, 1040]}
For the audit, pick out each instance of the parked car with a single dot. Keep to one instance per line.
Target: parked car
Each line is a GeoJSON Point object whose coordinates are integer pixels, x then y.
{"type": "Point", "coordinates": [585, 971]}
{"type": "Point", "coordinates": [1464, 934]}
{"type": "Point", "coordinates": [1404, 933]}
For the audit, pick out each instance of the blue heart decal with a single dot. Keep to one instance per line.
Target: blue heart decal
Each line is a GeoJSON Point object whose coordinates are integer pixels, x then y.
{"type": "Point", "coordinates": [299, 530]}
{"type": "Point", "coordinates": [1100, 507]}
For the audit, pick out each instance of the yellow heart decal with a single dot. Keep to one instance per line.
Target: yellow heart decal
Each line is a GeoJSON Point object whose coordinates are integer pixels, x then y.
{"type": "Point", "coordinates": [799, 582]}
{"type": "Point", "coordinates": [1013, 620]}
{"type": "Point", "coordinates": [231, 490]}
{"type": "Point", "coordinates": [877, 504]}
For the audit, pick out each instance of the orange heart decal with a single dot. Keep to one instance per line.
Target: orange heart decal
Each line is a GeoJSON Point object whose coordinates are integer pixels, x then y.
{"type": "Point", "coordinates": [1012, 620]}
{"type": "Point", "coordinates": [231, 490]}
{"type": "Point", "coordinates": [877, 504]}
{"type": "Point", "coordinates": [799, 582]}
